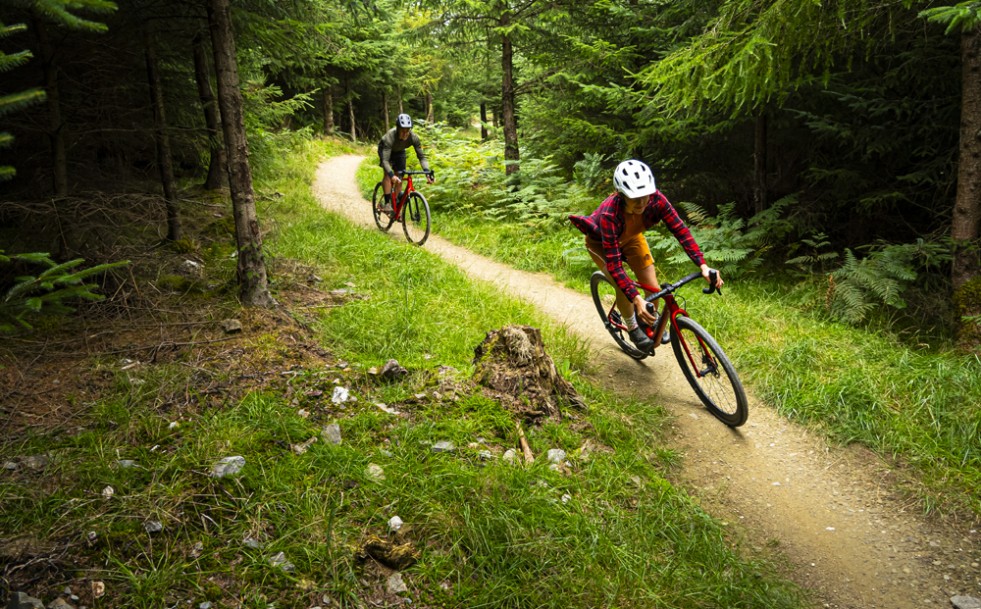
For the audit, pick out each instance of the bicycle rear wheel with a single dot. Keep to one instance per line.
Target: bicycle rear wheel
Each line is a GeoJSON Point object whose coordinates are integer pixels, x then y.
{"type": "Point", "coordinates": [605, 299]}
{"type": "Point", "coordinates": [382, 219]}
{"type": "Point", "coordinates": [415, 218]}
{"type": "Point", "coordinates": [709, 372]}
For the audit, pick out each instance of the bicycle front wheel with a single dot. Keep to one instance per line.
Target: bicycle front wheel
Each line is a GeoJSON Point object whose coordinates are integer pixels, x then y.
{"type": "Point", "coordinates": [709, 372]}
{"type": "Point", "coordinates": [415, 218]}
{"type": "Point", "coordinates": [605, 299]}
{"type": "Point", "coordinates": [382, 219]}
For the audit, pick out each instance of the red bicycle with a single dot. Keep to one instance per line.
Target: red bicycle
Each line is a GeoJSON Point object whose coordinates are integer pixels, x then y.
{"type": "Point", "coordinates": [410, 208]}
{"type": "Point", "coordinates": [708, 370]}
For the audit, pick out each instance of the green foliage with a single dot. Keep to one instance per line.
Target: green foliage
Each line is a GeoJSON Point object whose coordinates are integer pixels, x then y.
{"type": "Point", "coordinates": [592, 172]}
{"type": "Point", "coordinates": [473, 178]}
{"type": "Point", "coordinates": [729, 243]}
{"type": "Point", "coordinates": [50, 292]}
{"type": "Point", "coordinates": [881, 277]}
{"type": "Point", "coordinates": [13, 101]}
{"type": "Point", "coordinates": [69, 12]}
{"type": "Point", "coordinates": [815, 256]}
{"type": "Point", "coordinates": [752, 54]}
{"type": "Point", "coordinates": [962, 16]}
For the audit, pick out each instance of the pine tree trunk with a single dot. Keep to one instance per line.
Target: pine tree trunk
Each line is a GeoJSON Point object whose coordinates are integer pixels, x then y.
{"type": "Point", "coordinates": [966, 221]}
{"type": "Point", "coordinates": [430, 112]}
{"type": "Point", "coordinates": [483, 121]}
{"type": "Point", "coordinates": [253, 285]}
{"type": "Point", "coordinates": [511, 153]}
{"type": "Point", "coordinates": [165, 162]}
{"type": "Point", "coordinates": [56, 126]}
{"type": "Point", "coordinates": [385, 115]}
{"type": "Point", "coordinates": [401, 108]}
{"type": "Point", "coordinates": [351, 117]}
{"type": "Point", "coordinates": [965, 227]}
{"type": "Point", "coordinates": [328, 111]}
{"type": "Point", "coordinates": [202, 74]}
{"type": "Point", "coordinates": [759, 163]}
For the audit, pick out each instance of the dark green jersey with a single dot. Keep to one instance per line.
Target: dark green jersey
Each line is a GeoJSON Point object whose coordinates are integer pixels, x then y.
{"type": "Point", "coordinates": [390, 143]}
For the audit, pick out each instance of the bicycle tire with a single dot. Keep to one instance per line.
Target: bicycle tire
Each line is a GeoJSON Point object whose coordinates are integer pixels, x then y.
{"type": "Point", "coordinates": [383, 220]}
{"type": "Point", "coordinates": [604, 297]}
{"type": "Point", "coordinates": [717, 385]}
{"type": "Point", "coordinates": [415, 218]}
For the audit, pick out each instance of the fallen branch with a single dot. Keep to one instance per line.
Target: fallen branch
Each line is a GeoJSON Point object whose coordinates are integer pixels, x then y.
{"type": "Point", "coordinates": [523, 441]}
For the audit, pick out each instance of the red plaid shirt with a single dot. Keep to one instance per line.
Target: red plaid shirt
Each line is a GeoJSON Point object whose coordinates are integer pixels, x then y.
{"type": "Point", "coordinates": [606, 224]}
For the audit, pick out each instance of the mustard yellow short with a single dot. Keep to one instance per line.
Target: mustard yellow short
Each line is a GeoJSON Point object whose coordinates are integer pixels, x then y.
{"type": "Point", "coordinates": [634, 248]}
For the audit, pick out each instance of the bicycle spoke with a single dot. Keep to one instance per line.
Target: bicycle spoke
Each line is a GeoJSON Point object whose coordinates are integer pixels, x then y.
{"type": "Point", "coordinates": [709, 372]}
{"type": "Point", "coordinates": [415, 218]}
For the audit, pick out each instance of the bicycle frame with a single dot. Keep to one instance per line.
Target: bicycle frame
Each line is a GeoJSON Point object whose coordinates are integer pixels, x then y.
{"type": "Point", "coordinates": [668, 315]}
{"type": "Point", "coordinates": [399, 199]}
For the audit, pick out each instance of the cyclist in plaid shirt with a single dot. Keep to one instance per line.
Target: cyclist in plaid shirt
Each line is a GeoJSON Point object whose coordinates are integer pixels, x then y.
{"type": "Point", "coordinates": [615, 232]}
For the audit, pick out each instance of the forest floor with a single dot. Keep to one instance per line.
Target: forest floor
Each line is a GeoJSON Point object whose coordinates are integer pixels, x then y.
{"type": "Point", "coordinates": [838, 518]}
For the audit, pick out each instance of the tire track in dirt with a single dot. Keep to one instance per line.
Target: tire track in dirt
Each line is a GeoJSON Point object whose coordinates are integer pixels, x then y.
{"type": "Point", "coordinates": [830, 512]}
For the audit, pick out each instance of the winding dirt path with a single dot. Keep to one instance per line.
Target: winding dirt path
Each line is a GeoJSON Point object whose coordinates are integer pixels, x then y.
{"type": "Point", "coordinates": [829, 512]}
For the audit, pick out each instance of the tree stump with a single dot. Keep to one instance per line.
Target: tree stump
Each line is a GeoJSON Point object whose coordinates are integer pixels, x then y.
{"type": "Point", "coordinates": [511, 363]}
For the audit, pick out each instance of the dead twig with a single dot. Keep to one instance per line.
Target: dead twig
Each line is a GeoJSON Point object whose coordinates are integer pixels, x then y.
{"type": "Point", "coordinates": [523, 441]}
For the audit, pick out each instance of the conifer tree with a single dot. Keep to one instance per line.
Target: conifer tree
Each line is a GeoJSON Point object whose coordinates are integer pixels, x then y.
{"type": "Point", "coordinates": [10, 102]}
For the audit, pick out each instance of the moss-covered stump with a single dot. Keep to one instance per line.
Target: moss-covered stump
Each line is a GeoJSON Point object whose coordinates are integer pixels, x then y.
{"type": "Point", "coordinates": [512, 365]}
{"type": "Point", "coordinates": [967, 300]}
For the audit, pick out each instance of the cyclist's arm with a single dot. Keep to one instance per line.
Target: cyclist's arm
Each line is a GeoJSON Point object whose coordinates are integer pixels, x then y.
{"type": "Point", "coordinates": [417, 144]}
{"type": "Point", "coordinates": [386, 154]}
{"type": "Point", "coordinates": [613, 255]}
{"type": "Point", "coordinates": [669, 215]}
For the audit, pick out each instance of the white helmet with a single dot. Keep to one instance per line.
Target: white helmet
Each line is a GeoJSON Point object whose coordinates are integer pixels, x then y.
{"type": "Point", "coordinates": [634, 179]}
{"type": "Point", "coordinates": [404, 121]}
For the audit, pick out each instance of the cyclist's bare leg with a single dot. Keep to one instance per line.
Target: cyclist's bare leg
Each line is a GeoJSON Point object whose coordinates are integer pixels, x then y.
{"type": "Point", "coordinates": [387, 184]}
{"type": "Point", "coordinates": [647, 276]}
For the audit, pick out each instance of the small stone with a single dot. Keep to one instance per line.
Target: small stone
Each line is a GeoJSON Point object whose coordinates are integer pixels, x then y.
{"type": "Point", "coordinates": [375, 472]}
{"type": "Point", "coordinates": [443, 446]}
{"type": "Point", "coordinates": [341, 395]}
{"type": "Point", "coordinates": [556, 455]}
{"type": "Point", "coordinates": [394, 524]}
{"type": "Point", "coordinates": [279, 560]}
{"type": "Point", "coordinates": [153, 526]}
{"type": "Point", "coordinates": [231, 326]}
{"type": "Point", "coordinates": [965, 602]}
{"type": "Point", "coordinates": [108, 492]}
{"type": "Point", "coordinates": [228, 466]}
{"type": "Point", "coordinates": [392, 370]}
{"type": "Point", "coordinates": [22, 600]}
{"type": "Point", "coordinates": [127, 463]}
{"type": "Point", "coordinates": [395, 585]}
{"type": "Point", "coordinates": [331, 433]}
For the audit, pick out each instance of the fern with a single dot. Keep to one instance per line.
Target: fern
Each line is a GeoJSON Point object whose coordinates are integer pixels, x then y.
{"type": "Point", "coordinates": [882, 277]}
{"type": "Point", "coordinates": [729, 243]}
{"type": "Point", "coordinates": [816, 259]}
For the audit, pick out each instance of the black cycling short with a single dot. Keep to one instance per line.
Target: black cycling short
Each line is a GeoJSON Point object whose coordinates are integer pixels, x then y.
{"type": "Point", "coordinates": [397, 159]}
